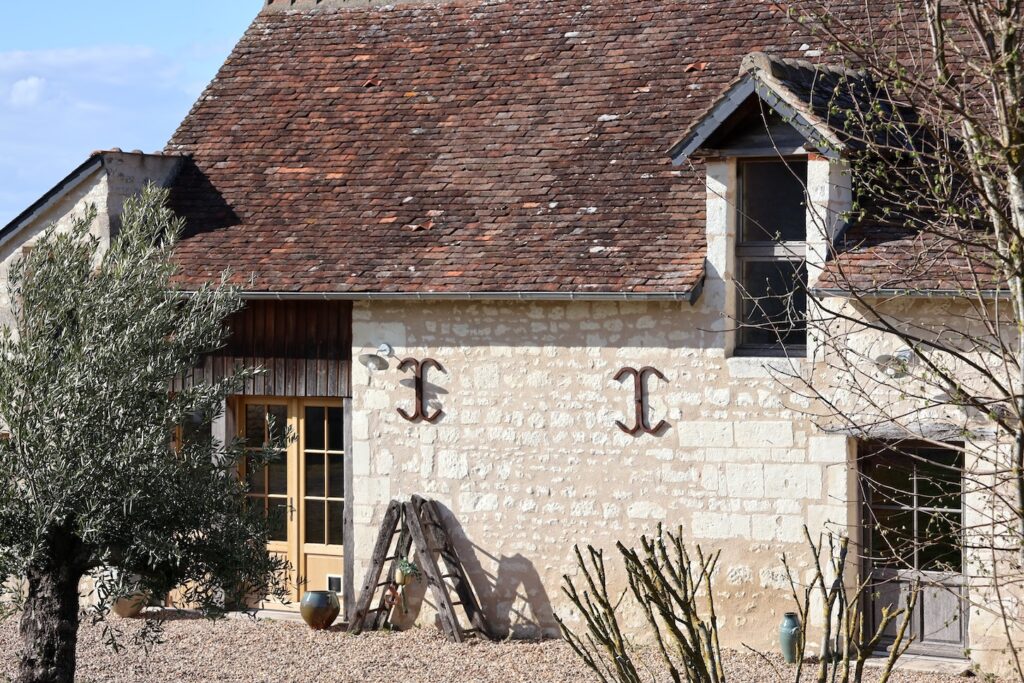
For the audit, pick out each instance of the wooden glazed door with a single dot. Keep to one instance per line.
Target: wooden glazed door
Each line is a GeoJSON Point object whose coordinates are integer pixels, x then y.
{"type": "Point", "coordinates": [271, 486]}
{"type": "Point", "coordinates": [303, 490]}
{"type": "Point", "coordinates": [321, 495]}
{"type": "Point", "coordinates": [914, 532]}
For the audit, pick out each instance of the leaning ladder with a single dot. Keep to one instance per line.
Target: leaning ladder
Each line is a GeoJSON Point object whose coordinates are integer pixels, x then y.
{"type": "Point", "coordinates": [418, 523]}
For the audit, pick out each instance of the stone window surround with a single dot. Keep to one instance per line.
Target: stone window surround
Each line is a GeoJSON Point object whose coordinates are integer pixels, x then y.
{"type": "Point", "coordinates": [829, 199]}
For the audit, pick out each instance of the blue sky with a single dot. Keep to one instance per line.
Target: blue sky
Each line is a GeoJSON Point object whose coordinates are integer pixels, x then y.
{"type": "Point", "coordinates": [78, 76]}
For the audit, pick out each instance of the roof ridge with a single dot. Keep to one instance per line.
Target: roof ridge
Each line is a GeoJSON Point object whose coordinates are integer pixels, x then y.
{"type": "Point", "coordinates": [763, 61]}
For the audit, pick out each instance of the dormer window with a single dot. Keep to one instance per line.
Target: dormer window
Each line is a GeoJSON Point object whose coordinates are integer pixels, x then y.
{"type": "Point", "coordinates": [771, 250]}
{"type": "Point", "coordinates": [778, 186]}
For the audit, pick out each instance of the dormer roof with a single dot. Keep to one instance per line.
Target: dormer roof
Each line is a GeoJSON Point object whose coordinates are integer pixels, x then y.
{"type": "Point", "coordinates": [814, 99]}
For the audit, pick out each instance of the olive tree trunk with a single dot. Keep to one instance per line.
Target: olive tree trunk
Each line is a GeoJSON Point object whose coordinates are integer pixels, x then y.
{"type": "Point", "coordinates": [49, 624]}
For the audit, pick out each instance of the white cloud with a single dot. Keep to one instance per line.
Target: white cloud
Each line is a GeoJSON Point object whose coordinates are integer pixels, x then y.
{"type": "Point", "coordinates": [17, 60]}
{"type": "Point", "coordinates": [27, 91]}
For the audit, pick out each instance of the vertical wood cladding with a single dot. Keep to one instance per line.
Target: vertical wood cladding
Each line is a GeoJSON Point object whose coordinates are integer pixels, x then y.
{"type": "Point", "coordinates": [305, 348]}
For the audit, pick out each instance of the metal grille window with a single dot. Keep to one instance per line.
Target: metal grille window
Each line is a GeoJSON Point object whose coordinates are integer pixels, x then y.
{"type": "Point", "coordinates": [770, 253]}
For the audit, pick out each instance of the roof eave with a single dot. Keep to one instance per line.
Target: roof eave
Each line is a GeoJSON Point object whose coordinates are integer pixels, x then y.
{"type": "Point", "coordinates": [919, 293]}
{"type": "Point", "coordinates": [688, 295]}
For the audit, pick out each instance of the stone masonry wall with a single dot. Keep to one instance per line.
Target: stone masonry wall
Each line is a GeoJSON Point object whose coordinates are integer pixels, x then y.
{"type": "Point", "coordinates": [529, 461]}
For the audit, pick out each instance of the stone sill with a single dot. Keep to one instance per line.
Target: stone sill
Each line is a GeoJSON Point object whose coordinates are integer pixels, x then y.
{"type": "Point", "coordinates": [753, 367]}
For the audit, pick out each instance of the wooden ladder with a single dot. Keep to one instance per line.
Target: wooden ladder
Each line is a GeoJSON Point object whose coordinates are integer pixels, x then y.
{"type": "Point", "coordinates": [418, 523]}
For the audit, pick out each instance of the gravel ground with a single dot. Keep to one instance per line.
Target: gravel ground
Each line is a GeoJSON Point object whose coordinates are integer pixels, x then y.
{"type": "Point", "coordinates": [246, 650]}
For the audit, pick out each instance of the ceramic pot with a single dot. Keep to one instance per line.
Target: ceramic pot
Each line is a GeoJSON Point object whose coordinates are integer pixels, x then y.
{"type": "Point", "coordinates": [789, 636]}
{"type": "Point", "coordinates": [128, 606]}
{"type": "Point", "coordinates": [319, 609]}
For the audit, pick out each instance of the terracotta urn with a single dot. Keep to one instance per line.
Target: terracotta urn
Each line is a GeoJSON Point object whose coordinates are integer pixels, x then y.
{"type": "Point", "coordinates": [319, 609]}
{"type": "Point", "coordinates": [128, 606]}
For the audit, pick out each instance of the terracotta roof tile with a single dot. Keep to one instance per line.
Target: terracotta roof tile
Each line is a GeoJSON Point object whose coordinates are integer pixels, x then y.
{"type": "Point", "coordinates": [467, 147]}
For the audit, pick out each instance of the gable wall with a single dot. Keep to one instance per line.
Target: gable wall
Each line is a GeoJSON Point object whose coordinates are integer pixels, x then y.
{"type": "Point", "coordinates": [93, 190]}
{"type": "Point", "coordinates": [106, 187]}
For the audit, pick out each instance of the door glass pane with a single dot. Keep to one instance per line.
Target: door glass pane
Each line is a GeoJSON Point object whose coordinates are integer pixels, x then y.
{"type": "Point", "coordinates": [255, 475]}
{"type": "Point", "coordinates": [314, 474]}
{"type": "Point", "coordinates": [938, 480]}
{"type": "Point", "coordinates": [279, 415]}
{"type": "Point", "coordinates": [939, 541]}
{"type": "Point", "coordinates": [892, 538]}
{"type": "Point", "coordinates": [336, 522]}
{"type": "Point", "coordinates": [772, 195]}
{"type": "Point", "coordinates": [336, 485]}
{"type": "Point", "coordinates": [255, 425]}
{"type": "Point", "coordinates": [314, 422]}
{"type": "Point", "coordinates": [890, 482]}
{"type": "Point", "coordinates": [335, 431]}
{"type": "Point", "coordinates": [314, 521]}
{"type": "Point", "coordinates": [277, 471]}
{"type": "Point", "coordinates": [277, 519]}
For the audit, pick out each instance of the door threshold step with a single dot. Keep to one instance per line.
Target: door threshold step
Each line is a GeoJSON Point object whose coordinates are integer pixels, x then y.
{"type": "Point", "coordinates": [954, 666]}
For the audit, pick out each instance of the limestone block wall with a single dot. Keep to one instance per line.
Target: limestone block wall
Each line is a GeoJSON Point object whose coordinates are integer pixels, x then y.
{"type": "Point", "coordinates": [529, 461]}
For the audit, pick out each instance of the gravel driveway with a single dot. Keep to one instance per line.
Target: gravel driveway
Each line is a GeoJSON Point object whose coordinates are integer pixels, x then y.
{"type": "Point", "coordinates": [246, 650]}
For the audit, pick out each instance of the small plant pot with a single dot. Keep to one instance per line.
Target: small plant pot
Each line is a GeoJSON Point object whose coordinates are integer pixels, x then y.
{"type": "Point", "coordinates": [319, 609]}
{"type": "Point", "coordinates": [401, 578]}
{"type": "Point", "coordinates": [128, 606]}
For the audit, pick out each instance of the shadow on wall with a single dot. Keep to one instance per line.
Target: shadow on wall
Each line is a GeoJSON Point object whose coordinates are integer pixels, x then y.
{"type": "Point", "coordinates": [513, 599]}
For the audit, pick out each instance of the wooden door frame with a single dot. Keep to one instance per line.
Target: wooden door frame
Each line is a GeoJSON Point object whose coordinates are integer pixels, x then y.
{"type": "Point", "coordinates": [231, 427]}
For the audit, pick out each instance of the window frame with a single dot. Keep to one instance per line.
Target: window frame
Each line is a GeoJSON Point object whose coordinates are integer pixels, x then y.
{"type": "Point", "coordinates": [773, 251]}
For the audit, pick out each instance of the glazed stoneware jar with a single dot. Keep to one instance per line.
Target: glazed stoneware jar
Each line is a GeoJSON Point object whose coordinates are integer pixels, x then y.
{"type": "Point", "coordinates": [789, 636]}
{"type": "Point", "coordinates": [319, 609]}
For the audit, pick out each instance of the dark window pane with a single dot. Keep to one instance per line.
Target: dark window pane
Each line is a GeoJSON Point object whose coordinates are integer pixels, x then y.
{"type": "Point", "coordinates": [314, 521]}
{"type": "Point", "coordinates": [255, 425]}
{"type": "Point", "coordinates": [892, 538]}
{"type": "Point", "coordinates": [277, 519]}
{"type": "Point", "coordinates": [336, 523]}
{"type": "Point", "coordinates": [278, 421]}
{"type": "Point", "coordinates": [939, 536]}
{"type": "Point", "coordinates": [336, 485]}
{"type": "Point", "coordinates": [772, 201]}
{"type": "Point", "coordinates": [196, 429]}
{"type": "Point", "coordinates": [774, 302]}
{"type": "Point", "coordinates": [256, 475]}
{"type": "Point", "coordinates": [314, 474]}
{"type": "Point", "coordinates": [277, 471]}
{"type": "Point", "coordinates": [335, 431]}
{"type": "Point", "coordinates": [314, 428]}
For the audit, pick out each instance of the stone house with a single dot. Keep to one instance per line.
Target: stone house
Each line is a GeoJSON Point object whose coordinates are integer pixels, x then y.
{"type": "Point", "coordinates": [534, 195]}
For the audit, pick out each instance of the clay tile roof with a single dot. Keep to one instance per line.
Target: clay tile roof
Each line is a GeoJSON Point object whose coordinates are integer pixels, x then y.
{"type": "Point", "coordinates": [493, 147]}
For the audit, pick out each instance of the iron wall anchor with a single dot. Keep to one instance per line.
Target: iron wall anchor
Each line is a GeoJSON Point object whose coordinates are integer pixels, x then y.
{"type": "Point", "coordinates": [640, 400]}
{"type": "Point", "coordinates": [420, 411]}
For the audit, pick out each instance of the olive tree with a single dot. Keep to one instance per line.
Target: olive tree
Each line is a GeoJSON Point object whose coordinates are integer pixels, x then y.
{"type": "Point", "coordinates": [104, 472]}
